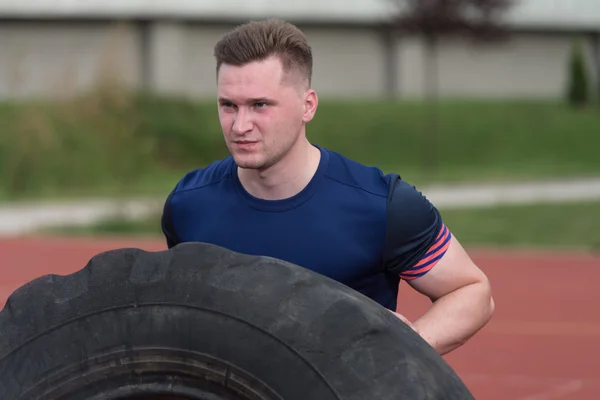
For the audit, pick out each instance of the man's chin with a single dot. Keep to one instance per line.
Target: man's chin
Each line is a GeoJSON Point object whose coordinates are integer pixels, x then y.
{"type": "Point", "coordinates": [248, 162]}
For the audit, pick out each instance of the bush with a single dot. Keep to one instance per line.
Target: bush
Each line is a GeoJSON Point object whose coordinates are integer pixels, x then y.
{"type": "Point", "coordinates": [91, 140]}
{"type": "Point", "coordinates": [578, 93]}
{"type": "Point", "coordinates": [108, 138]}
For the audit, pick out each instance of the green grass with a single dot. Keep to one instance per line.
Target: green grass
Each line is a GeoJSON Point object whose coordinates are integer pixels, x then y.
{"type": "Point", "coordinates": [476, 140]}
{"type": "Point", "coordinates": [114, 227]}
{"type": "Point", "coordinates": [110, 142]}
{"type": "Point", "coordinates": [569, 225]}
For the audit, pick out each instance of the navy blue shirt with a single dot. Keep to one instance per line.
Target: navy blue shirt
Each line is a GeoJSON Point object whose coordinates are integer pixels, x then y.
{"type": "Point", "coordinates": [351, 223]}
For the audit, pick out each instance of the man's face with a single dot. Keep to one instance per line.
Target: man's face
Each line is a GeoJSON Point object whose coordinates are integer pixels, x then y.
{"type": "Point", "coordinates": [262, 112]}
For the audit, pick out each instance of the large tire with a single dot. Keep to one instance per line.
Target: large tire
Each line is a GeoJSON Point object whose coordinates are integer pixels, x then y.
{"type": "Point", "coordinates": [203, 322]}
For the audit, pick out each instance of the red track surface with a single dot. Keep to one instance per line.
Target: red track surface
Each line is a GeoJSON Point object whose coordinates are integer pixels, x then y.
{"type": "Point", "coordinates": [542, 344]}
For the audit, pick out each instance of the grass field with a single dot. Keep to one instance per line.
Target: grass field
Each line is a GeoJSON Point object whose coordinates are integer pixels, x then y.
{"type": "Point", "coordinates": [571, 225]}
{"type": "Point", "coordinates": [112, 143]}
{"type": "Point", "coordinates": [555, 226]}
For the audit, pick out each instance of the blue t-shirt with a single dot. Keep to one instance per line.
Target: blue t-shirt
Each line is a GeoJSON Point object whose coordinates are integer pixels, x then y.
{"type": "Point", "coordinates": [351, 223]}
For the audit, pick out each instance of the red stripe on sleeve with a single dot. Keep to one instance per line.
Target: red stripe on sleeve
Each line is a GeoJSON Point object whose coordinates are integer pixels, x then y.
{"type": "Point", "coordinates": [432, 257]}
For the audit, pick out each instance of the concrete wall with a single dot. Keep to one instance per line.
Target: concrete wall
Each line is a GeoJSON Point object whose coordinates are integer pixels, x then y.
{"type": "Point", "coordinates": [58, 58]}
{"type": "Point", "coordinates": [528, 65]}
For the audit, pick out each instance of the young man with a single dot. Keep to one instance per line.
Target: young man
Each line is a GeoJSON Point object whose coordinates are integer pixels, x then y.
{"type": "Point", "coordinates": [281, 196]}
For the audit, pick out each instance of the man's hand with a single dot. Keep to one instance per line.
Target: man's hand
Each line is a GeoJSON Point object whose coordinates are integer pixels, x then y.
{"type": "Point", "coordinates": [405, 320]}
{"type": "Point", "coordinates": [410, 324]}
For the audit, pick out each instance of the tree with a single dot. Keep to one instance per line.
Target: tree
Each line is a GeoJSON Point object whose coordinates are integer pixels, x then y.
{"type": "Point", "coordinates": [480, 21]}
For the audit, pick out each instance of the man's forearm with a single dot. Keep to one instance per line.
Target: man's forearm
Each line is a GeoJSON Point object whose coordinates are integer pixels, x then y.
{"type": "Point", "coordinates": [456, 317]}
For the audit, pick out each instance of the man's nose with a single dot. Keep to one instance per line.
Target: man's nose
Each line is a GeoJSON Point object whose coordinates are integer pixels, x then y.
{"type": "Point", "coordinates": [242, 122]}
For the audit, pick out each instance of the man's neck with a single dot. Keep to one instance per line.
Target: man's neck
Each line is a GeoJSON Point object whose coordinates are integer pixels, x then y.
{"type": "Point", "coordinates": [286, 178]}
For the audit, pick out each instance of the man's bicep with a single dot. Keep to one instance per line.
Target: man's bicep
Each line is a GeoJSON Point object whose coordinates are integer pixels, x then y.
{"type": "Point", "coordinates": [452, 271]}
{"type": "Point", "coordinates": [421, 249]}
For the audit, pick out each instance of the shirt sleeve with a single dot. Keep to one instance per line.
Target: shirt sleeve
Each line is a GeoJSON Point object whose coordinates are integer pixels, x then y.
{"type": "Point", "coordinates": [416, 236]}
{"type": "Point", "coordinates": [167, 224]}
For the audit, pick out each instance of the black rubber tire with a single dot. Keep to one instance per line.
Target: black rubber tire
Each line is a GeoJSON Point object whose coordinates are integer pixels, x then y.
{"type": "Point", "coordinates": [204, 322]}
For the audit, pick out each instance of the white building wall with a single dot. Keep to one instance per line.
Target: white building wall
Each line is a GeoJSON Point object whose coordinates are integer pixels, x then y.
{"type": "Point", "coordinates": [528, 65]}
{"type": "Point", "coordinates": [47, 59]}
{"type": "Point", "coordinates": [348, 62]}
{"type": "Point", "coordinates": [53, 59]}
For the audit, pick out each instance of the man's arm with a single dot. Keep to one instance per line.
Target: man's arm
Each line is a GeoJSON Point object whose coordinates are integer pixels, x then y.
{"type": "Point", "coordinates": [461, 296]}
{"type": "Point", "coordinates": [423, 251]}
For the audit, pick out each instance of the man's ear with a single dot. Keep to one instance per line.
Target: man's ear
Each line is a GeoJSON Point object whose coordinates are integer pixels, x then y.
{"type": "Point", "coordinates": [311, 101]}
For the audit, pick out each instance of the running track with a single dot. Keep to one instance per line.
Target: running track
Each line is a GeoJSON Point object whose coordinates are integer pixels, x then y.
{"type": "Point", "coordinates": [542, 344]}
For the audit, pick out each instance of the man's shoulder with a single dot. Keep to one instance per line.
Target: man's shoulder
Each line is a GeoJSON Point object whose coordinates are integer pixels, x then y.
{"type": "Point", "coordinates": [200, 178]}
{"type": "Point", "coordinates": [352, 173]}
{"type": "Point", "coordinates": [372, 179]}
{"type": "Point", "coordinates": [183, 197]}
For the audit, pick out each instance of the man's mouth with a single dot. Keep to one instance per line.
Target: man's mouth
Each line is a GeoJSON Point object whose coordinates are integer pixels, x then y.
{"type": "Point", "coordinates": [245, 145]}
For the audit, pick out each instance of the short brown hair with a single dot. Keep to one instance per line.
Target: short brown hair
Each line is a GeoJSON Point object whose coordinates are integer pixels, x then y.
{"type": "Point", "coordinates": [259, 40]}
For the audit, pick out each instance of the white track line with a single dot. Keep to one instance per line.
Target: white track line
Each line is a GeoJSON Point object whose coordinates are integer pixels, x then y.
{"type": "Point", "coordinates": [27, 217]}
{"type": "Point", "coordinates": [469, 196]}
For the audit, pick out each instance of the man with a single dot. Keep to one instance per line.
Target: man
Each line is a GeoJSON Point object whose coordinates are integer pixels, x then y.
{"type": "Point", "coordinates": [281, 196]}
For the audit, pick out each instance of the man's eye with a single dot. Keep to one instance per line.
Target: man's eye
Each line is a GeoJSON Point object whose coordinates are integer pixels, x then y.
{"type": "Point", "coordinates": [260, 105]}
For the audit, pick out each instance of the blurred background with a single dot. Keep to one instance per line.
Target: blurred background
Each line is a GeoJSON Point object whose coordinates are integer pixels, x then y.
{"type": "Point", "coordinates": [491, 108]}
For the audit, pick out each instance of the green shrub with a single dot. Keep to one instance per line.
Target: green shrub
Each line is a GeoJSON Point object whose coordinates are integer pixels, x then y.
{"type": "Point", "coordinates": [578, 94]}
{"type": "Point", "coordinates": [92, 140]}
